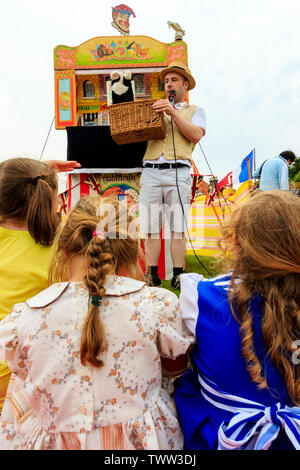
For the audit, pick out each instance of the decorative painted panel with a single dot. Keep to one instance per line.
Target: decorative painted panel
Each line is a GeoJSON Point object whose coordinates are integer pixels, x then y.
{"type": "Point", "coordinates": [65, 99]}
{"type": "Point", "coordinates": [112, 51]}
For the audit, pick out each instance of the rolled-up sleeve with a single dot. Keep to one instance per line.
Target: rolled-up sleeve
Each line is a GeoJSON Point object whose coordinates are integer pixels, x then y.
{"type": "Point", "coordinates": [171, 340]}
{"type": "Point", "coordinates": [189, 300]}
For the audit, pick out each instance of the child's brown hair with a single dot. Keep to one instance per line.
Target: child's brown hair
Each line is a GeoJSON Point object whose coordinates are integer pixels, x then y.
{"type": "Point", "coordinates": [264, 236]}
{"type": "Point", "coordinates": [27, 192]}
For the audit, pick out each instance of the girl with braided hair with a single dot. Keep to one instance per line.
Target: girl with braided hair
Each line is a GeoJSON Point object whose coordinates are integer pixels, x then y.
{"type": "Point", "coordinates": [244, 389]}
{"type": "Point", "coordinates": [89, 347]}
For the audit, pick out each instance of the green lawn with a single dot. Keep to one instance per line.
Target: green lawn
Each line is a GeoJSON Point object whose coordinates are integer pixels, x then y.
{"type": "Point", "coordinates": [193, 266]}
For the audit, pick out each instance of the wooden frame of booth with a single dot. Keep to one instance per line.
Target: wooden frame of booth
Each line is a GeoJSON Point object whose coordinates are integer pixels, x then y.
{"type": "Point", "coordinates": [80, 70]}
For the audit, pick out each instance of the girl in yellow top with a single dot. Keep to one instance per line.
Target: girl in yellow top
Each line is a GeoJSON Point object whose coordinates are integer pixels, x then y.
{"type": "Point", "coordinates": [28, 222]}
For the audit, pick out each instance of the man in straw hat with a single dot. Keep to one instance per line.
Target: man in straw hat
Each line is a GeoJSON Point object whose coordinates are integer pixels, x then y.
{"type": "Point", "coordinates": [166, 173]}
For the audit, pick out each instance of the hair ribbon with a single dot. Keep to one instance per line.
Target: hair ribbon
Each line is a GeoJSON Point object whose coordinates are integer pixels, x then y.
{"type": "Point", "coordinates": [96, 300]}
{"type": "Point", "coordinates": [99, 234]}
{"type": "Point", "coordinates": [35, 180]}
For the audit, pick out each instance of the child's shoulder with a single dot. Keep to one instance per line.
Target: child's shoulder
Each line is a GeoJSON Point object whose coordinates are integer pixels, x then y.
{"type": "Point", "coordinates": [160, 294]}
{"type": "Point", "coordinates": [194, 281]}
{"type": "Point", "coordinates": [47, 296]}
{"type": "Point", "coordinates": [121, 285]}
{"type": "Point", "coordinates": [222, 281]}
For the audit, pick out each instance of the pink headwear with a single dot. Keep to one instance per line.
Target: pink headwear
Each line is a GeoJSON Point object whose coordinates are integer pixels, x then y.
{"type": "Point", "coordinates": [123, 9]}
{"type": "Point", "coordinates": [99, 234]}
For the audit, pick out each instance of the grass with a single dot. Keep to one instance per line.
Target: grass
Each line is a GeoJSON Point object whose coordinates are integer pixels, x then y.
{"type": "Point", "coordinates": [208, 268]}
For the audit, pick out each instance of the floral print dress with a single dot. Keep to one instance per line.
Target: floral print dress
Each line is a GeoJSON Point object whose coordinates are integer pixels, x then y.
{"type": "Point", "coordinates": [55, 402]}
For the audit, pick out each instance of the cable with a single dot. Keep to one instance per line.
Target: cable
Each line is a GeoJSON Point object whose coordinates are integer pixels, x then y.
{"type": "Point", "coordinates": [215, 181]}
{"type": "Point", "coordinates": [182, 208]}
{"type": "Point", "coordinates": [47, 137]}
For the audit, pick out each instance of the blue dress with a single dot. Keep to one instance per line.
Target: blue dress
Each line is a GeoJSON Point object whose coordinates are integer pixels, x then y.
{"type": "Point", "coordinates": [217, 356]}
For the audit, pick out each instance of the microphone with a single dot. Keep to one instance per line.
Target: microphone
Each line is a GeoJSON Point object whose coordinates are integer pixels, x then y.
{"type": "Point", "coordinates": [172, 95]}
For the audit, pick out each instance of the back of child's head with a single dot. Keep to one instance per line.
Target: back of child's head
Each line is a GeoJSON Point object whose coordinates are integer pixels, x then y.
{"type": "Point", "coordinates": [28, 192]}
{"type": "Point", "coordinates": [267, 235]}
{"type": "Point", "coordinates": [264, 237]}
{"type": "Point", "coordinates": [97, 229]}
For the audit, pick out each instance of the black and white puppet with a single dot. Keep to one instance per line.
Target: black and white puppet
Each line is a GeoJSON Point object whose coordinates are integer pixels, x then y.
{"type": "Point", "coordinates": [122, 91]}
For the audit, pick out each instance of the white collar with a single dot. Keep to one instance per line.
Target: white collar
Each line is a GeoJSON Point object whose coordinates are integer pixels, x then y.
{"type": "Point", "coordinates": [114, 285]}
{"type": "Point", "coordinates": [180, 105]}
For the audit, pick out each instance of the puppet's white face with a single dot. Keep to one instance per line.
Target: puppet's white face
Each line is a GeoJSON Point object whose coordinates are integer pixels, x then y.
{"type": "Point", "coordinates": [118, 87]}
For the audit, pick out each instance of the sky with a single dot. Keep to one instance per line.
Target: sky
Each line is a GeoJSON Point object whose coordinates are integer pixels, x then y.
{"type": "Point", "coordinates": [244, 55]}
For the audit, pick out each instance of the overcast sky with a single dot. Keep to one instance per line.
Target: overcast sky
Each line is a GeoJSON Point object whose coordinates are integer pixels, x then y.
{"type": "Point", "coordinates": [244, 55]}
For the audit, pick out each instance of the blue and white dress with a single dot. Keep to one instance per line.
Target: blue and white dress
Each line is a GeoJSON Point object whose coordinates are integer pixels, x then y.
{"type": "Point", "coordinates": [219, 406]}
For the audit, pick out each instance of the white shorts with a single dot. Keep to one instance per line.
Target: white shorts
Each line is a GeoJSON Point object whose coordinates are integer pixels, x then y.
{"type": "Point", "coordinates": [159, 197]}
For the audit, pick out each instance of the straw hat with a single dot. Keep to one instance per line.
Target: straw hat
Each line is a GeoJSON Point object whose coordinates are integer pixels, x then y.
{"type": "Point", "coordinates": [182, 69]}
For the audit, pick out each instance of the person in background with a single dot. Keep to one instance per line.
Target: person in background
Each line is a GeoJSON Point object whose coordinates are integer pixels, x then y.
{"type": "Point", "coordinates": [244, 389]}
{"type": "Point", "coordinates": [88, 349]}
{"type": "Point", "coordinates": [28, 221]}
{"type": "Point", "coordinates": [274, 173]}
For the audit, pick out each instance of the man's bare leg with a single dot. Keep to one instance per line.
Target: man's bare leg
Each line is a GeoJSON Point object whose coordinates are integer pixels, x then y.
{"type": "Point", "coordinates": [152, 249]}
{"type": "Point", "coordinates": [178, 250]}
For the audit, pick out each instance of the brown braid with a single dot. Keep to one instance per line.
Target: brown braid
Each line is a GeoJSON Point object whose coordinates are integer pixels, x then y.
{"type": "Point", "coordinates": [103, 256]}
{"type": "Point", "coordinates": [93, 335]}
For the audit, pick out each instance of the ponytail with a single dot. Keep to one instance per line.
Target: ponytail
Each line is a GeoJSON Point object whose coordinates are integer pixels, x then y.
{"type": "Point", "coordinates": [27, 192]}
{"type": "Point", "coordinates": [41, 220]}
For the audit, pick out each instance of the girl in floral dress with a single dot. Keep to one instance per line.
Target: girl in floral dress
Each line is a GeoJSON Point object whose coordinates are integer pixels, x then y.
{"type": "Point", "coordinates": [88, 349]}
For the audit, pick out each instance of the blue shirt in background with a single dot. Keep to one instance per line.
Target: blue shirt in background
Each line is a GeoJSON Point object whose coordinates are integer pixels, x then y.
{"type": "Point", "coordinates": [274, 175]}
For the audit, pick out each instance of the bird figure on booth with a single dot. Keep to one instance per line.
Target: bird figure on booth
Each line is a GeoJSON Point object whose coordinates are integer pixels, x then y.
{"type": "Point", "coordinates": [178, 29]}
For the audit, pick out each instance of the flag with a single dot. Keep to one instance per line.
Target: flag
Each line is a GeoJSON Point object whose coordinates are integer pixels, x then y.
{"type": "Point", "coordinates": [225, 181]}
{"type": "Point", "coordinates": [240, 174]}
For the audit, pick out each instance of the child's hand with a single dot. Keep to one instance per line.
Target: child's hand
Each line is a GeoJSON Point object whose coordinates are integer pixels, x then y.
{"type": "Point", "coordinates": [174, 366]}
{"type": "Point", "coordinates": [62, 165]}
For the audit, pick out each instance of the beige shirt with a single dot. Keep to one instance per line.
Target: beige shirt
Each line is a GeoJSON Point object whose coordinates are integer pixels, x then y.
{"type": "Point", "coordinates": [198, 118]}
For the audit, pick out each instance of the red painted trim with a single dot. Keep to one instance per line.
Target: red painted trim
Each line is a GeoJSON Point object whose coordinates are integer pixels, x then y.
{"type": "Point", "coordinates": [142, 259]}
{"type": "Point", "coordinates": [162, 257]}
{"type": "Point", "coordinates": [70, 192]}
{"type": "Point", "coordinates": [115, 66]}
{"type": "Point", "coordinates": [84, 187]}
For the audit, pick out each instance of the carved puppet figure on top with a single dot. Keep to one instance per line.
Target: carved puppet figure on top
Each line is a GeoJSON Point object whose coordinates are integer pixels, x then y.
{"type": "Point", "coordinates": [121, 16]}
{"type": "Point", "coordinates": [121, 87]}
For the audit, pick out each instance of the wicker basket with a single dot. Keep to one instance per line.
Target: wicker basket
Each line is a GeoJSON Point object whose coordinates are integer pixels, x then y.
{"type": "Point", "coordinates": [135, 121]}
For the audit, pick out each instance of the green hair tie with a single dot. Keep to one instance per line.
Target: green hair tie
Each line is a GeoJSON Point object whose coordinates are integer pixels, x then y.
{"type": "Point", "coordinates": [96, 300]}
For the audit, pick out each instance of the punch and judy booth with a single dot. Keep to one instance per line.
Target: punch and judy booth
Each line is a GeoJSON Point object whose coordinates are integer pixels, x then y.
{"type": "Point", "coordinates": [83, 96]}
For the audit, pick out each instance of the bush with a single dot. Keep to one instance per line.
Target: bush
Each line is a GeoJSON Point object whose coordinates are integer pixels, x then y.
{"type": "Point", "coordinates": [297, 177]}
{"type": "Point", "coordinates": [295, 170]}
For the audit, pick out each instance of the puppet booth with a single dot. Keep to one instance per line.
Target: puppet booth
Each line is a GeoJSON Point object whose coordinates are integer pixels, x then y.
{"type": "Point", "coordinates": [103, 92]}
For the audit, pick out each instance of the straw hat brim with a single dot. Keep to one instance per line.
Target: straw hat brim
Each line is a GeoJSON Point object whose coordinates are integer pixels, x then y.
{"type": "Point", "coordinates": [181, 71]}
